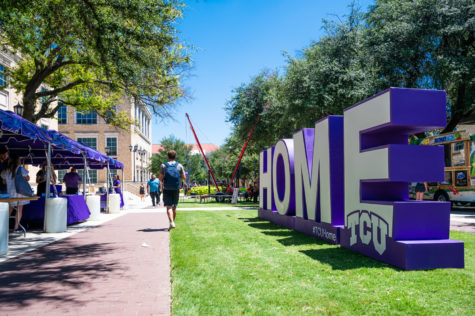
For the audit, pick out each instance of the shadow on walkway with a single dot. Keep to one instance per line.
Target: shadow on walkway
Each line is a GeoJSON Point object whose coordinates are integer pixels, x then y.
{"type": "Point", "coordinates": [45, 274]}
{"type": "Point", "coordinates": [151, 230]}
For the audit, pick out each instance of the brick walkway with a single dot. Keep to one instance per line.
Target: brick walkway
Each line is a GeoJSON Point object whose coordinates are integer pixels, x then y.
{"type": "Point", "coordinates": [119, 268]}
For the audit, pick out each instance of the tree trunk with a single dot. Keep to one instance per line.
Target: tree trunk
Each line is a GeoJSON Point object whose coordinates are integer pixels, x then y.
{"type": "Point", "coordinates": [458, 110]}
{"type": "Point", "coordinates": [29, 106]}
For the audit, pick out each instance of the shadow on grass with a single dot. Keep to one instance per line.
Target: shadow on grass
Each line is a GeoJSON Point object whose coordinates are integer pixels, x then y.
{"type": "Point", "coordinates": [293, 239]}
{"type": "Point", "coordinates": [336, 256]}
{"type": "Point", "coordinates": [54, 273]}
{"type": "Point", "coordinates": [251, 219]}
{"type": "Point", "coordinates": [343, 259]}
{"type": "Point", "coordinates": [266, 225]}
{"type": "Point", "coordinates": [151, 230]}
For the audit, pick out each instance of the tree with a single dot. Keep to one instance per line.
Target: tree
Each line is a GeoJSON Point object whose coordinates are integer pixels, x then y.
{"type": "Point", "coordinates": [169, 143]}
{"type": "Point", "coordinates": [332, 74]}
{"type": "Point", "coordinates": [259, 97]}
{"type": "Point", "coordinates": [196, 168]}
{"type": "Point", "coordinates": [88, 53]}
{"type": "Point", "coordinates": [426, 44]}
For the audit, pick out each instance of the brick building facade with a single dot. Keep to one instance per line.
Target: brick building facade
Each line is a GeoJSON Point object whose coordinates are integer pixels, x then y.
{"type": "Point", "coordinates": [133, 148]}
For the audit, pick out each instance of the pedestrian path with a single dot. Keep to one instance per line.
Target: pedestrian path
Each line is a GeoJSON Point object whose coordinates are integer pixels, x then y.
{"type": "Point", "coordinates": [121, 267]}
{"type": "Point", "coordinates": [462, 221]}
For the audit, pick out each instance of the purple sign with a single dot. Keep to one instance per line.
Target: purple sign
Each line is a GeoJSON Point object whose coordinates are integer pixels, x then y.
{"type": "Point", "coordinates": [347, 180]}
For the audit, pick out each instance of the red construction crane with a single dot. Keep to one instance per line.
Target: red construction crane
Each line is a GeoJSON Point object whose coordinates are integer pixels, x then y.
{"type": "Point", "coordinates": [244, 148]}
{"type": "Point", "coordinates": [202, 152]}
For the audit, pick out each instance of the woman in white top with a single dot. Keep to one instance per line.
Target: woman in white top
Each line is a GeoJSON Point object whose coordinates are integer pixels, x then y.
{"type": "Point", "coordinates": [8, 176]}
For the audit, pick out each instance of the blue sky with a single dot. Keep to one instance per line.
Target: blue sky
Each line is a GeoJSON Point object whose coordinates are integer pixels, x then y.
{"type": "Point", "coordinates": [234, 40]}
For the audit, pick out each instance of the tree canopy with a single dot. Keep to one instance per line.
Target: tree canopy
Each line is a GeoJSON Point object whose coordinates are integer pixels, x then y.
{"type": "Point", "coordinates": [193, 164]}
{"type": "Point", "coordinates": [396, 43]}
{"type": "Point", "coordinates": [89, 53]}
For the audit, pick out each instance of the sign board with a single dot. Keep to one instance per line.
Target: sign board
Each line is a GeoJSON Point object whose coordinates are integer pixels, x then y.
{"type": "Point", "coordinates": [346, 181]}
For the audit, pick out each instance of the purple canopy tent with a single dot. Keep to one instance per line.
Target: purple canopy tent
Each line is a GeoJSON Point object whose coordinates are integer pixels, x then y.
{"type": "Point", "coordinates": [36, 145]}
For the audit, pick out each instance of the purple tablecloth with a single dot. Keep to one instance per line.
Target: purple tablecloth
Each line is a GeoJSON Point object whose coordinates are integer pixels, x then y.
{"type": "Point", "coordinates": [104, 199]}
{"type": "Point", "coordinates": [77, 209]}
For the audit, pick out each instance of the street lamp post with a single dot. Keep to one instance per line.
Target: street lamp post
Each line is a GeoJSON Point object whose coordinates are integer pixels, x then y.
{"type": "Point", "coordinates": [18, 109]}
{"type": "Point", "coordinates": [142, 154]}
{"type": "Point", "coordinates": [134, 150]}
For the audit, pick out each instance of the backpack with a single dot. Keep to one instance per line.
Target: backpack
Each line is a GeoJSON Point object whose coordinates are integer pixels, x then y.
{"type": "Point", "coordinates": [21, 185]}
{"type": "Point", "coordinates": [171, 180]}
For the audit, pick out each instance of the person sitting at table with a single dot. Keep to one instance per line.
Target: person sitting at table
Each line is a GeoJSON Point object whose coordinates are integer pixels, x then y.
{"type": "Point", "coordinates": [249, 192]}
{"type": "Point", "coordinates": [41, 179]}
{"type": "Point", "coordinates": [256, 192]}
{"type": "Point", "coordinates": [8, 176]}
{"type": "Point", "coordinates": [71, 179]}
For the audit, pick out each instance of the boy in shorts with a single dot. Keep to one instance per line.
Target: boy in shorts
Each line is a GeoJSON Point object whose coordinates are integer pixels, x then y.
{"type": "Point", "coordinates": [171, 173]}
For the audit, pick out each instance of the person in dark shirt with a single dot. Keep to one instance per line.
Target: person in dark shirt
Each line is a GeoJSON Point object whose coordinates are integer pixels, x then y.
{"type": "Point", "coordinates": [71, 180]}
{"type": "Point", "coordinates": [41, 179]}
{"type": "Point", "coordinates": [3, 166]}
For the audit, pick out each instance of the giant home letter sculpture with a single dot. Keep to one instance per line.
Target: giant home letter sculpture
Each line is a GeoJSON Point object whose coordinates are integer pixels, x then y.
{"type": "Point", "coordinates": [347, 181]}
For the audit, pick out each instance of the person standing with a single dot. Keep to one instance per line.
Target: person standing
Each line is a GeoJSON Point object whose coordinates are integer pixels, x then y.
{"type": "Point", "coordinates": [421, 188]}
{"type": "Point", "coordinates": [153, 188]}
{"type": "Point", "coordinates": [3, 166]}
{"type": "Point", "coordinates": [171, 172]}
{"type": "Point", "coordinates": [71, 180]}
{"type": "Point", "coordinates": [117, 189]}
{"type": "Point", "coordinates": [41, 179]}
{"type": "Point", "coordinates": [8, 176]}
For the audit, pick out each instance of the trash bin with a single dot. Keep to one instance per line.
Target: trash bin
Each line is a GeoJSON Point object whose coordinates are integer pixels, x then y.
{"type": "Point", "coordinates": [114, 203]}
{"type": "Point", "coordinates": [4, 228]}
{"type": "Point", "coordinates": [56, 215]}
{"type": "Point", "coordinates": [94, 204]}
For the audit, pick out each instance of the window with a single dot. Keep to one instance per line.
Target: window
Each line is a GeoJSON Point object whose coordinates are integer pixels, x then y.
{"type": "Point", "coordinates": [4, 99]}
{"type": "Point", "coordinates": [109, 114]}
{"type": "Point", "coordinates": [3, 77]}
{"type": "Point", "coordinates": [63, 115]}
{"type": "Point", "coordinates": [113, 173]}
{"type": "Point", "coordinates": [111, 144]}
{"type": "Point", "coordinates": [86, 118]}
{"type": "Point", "coordinates": [44, 98]}
{"type": "Point", "coordinates": [88, 141]}
{"type": "Point", "coordinates": [458, 146]}
{"type": "Point", "coordinates": [92, 176]}
{"type": "Point", "coordinates": [61, 174]}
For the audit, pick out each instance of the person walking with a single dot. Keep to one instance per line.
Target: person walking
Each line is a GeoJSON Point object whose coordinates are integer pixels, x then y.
{"type": "Point", "coordinates": [171, 172]}
{"type": "Point", "coordinates": [153, 189]}
{"type": "Point", "coordinates": [8, 176]}
{"type": "Point", "coordinates": [71, 180]}
{"type": "Point", "coordinates": [141, 192]}
{"type": "Point", "coordinates": [421, 188]}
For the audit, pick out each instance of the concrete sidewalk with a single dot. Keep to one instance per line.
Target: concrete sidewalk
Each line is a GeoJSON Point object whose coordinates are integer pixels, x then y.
{"type": "Point", "coordinates": [121, 267]}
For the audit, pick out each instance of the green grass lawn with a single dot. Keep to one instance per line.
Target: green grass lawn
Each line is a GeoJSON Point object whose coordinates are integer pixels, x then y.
{"type": "Point", "coordinates": [231, 262]}
{"type": "Point", "coordinates": [195, 203]}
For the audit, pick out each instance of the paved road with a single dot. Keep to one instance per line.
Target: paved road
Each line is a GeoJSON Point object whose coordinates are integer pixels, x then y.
{"type": "Point", "coordinates": [462, 220]}
{"type": "Point", "coordinates": [119, 268]}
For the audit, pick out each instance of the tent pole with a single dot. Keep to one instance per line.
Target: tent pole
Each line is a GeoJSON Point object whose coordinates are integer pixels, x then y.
{"type": "Point", "coordinates": [122, 182]}
{"type": "Point", "coordinates": [107, 188]}
{"type": "Point", "coordinates": [48, 181]}
{"type": "Point", "coordinates": [84, 176]}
